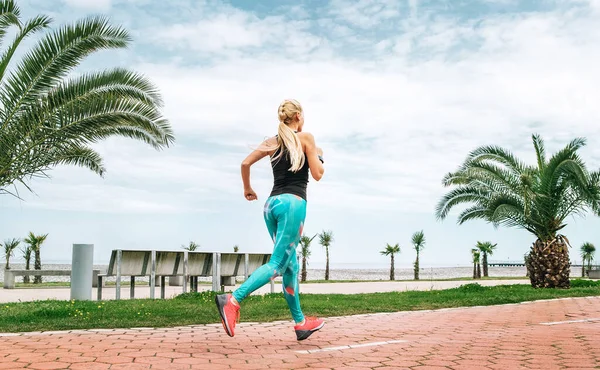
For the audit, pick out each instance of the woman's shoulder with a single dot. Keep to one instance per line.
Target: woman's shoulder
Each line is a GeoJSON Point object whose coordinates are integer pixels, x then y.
{"type": "Point", "coordinates": [306, 136]}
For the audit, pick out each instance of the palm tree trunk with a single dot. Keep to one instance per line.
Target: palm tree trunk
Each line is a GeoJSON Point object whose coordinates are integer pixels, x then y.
{"type": "Point", "coordinates": [478, 270]}
{"type": "Point", "coordinates": [327, 263]}
{"type": "Point", "coordinates": [7, 264]}
{"type": "Point", "coordinates": [37, 266]}
{"type": "Point", "coordinates": [417, 267]}
{"type": "Point", "coordinates": [26, 277]}
{"type": "Point", "coordinates": [303, 275]}
{"type": "Point", "coordinates": [392, 268]}
{"type": "Point", "coordinates": [548, 264]}
{"type": "Point", "coordinates": [474, 270]}
{"type": "Point", "coordinates": [583, 268]}
{"type": "Point", "coordinates": [485, 264]}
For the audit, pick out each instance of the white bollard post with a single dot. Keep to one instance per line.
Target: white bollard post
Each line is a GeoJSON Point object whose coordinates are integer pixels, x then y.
{"type": "Point", "coordinates": [82, 265]}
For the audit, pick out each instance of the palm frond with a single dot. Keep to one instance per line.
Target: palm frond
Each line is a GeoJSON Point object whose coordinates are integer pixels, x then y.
{"type": "Point", "coordinates": [466, 194]}
{"type": "Point", "coordinates": [9, 16]}
{"type": "Point", "coordinates": [540, 151]}
{"type": "Point", "coordinates": [53, 57]}
{"type": "Point", "coordinates": [496, 154]}
{"type": "Point", "coordinates": [29, 28]}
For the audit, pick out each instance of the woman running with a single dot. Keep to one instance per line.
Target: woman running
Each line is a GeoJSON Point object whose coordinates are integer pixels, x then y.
{"type": "Point", "coordinates": [293, 153]}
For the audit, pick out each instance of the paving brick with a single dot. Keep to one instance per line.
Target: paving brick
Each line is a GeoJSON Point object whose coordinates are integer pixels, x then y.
{"type": "Point", "coordinates": [495, 337]}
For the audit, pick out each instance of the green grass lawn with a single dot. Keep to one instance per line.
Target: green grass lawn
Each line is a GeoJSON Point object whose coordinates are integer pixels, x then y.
{"type": "Point", "coordinates": [199, 308]}
{"type": "Point", "coordinates": [59, 284]}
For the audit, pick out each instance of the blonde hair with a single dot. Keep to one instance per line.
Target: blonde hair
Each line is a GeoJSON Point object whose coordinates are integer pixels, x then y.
{"type": "Point", "coordinates": [286, 137]}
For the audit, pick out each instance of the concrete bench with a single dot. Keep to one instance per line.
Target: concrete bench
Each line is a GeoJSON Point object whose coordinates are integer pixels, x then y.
{"type": "Point", "coordinates": [9, 275]}
{"type": "Point", "coordinates": [138, 263]}
{"type": "Point", "coordinates": [594, 274]}
{"type": "Point", "coordinates": [188, 264]}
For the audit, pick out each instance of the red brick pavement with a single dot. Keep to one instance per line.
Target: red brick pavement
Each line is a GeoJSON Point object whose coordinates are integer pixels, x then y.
{"type": "Point", "coordinates": [497, 337]}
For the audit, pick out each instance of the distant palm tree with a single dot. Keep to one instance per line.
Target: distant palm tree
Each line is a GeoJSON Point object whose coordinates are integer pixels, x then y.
{"type": "Point", "coordinates": [48, 120]}
{"type": "Point", "coordinates": [236, 249]}
{"type": "Point", "coordinates": [27, 257]}
{"type": "Point", "coordinates": [190, 247]}
{"type": "Point", "coordinates": [418, 240]}
{"type": "Point", "coordinates": [9, 247]}
{"type": "Point", "coordinates": [476, 266]}
{"type": "Point", "coordinates": [486, 248]}
{"type": "Point", "coordinates": [325, 239]}
{"type": "Point", "coordinates": [501, 189]}
{"type": "Point", "coordinates": [305, 253]}
{"type": "Point", "coordinates": [35, 243]}
{"type": "Point", "coordinates": [391, 250]}
{"type": "Point", "coordinates": [587, 255]}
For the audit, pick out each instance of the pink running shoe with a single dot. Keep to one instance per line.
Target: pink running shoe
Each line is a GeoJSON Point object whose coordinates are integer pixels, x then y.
{"type": "Point", "coordinates": [311, 324]}
{"type": "Point", "coordinates": [229, 311]}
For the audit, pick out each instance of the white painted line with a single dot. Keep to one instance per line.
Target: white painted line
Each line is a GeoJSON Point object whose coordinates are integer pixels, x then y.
{"type": "Point", "coordinates": [568, 322]}
{"type": "Point", "coordinates": [350, 346]}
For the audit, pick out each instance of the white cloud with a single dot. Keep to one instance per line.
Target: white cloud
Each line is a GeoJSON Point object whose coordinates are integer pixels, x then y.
{"type": "Point", "coordinates": [92, 5]}
{"type": "Point", "coordinates": [365, 13]}
{"type": "Point", "coordinates": [448, 87]}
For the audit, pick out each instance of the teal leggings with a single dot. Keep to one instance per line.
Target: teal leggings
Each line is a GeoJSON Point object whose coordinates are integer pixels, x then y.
{"type": "Point", "coordinates": [284, 215]}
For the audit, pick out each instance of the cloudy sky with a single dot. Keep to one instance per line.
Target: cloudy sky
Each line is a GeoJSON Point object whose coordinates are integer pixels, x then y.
{"type": "Point", "coordinates": [396, 93]}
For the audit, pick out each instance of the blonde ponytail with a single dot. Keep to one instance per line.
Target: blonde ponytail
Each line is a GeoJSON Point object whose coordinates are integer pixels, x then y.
{"type": "Point", "coordinates": [287, 138]}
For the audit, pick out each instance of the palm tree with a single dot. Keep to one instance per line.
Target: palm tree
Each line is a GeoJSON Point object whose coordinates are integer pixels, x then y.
{"type": "Point", "coordinates": [190, 247]}
{"type": "Point", "coordinates": [418, 240]}
{"type": "Point", "coordinates": [486, 248]}
{"type": "Point", "coordinates": [35, 243]}
{"type": "Point", "coordinates": [47, 120]}
{"type": "Point", "coordinates": [236, 249]}
{"type": "Point", "coordinates": [504, 191]}
{"type": "Point", "coordinates": [305, 253]}
{"type": "Point", "coordinates": [587, 255]}
{"type": "Point", "coordinates": [390, 250]}
{"type": "Point", "coordinates": [9, 247]}
{"type": "Point", "coordinates": [325, 239]}
{"type": "Point", "coordinates": [476, 266]}
{"type": "Point", "coordinates": [27, 257]}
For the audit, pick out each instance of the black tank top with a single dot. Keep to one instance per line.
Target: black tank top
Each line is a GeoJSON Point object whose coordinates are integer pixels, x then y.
{"type": "Point", "coordinates": [286, 181]}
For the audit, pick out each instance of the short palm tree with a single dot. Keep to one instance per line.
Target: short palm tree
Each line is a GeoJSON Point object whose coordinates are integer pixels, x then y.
{"type": "Point", "coordinates": [325, 239]}
{"type": "Point", "coordinates": [305, 253]}
{"type": "Point", "coordinates": [48, 120]}
{"type": "Point", "coordinates": [418, 240]}
{"type": "Point", "coordinates": [236, 249]}
{"type": "Point", "coordinates": [504, 191]}
{"type": "Point", "coordinates": [486, 249]}
{"type": "Point", "coordinates": [9, 247]}
{"type": "Point", "coordinates": [192, 246]}
{"type": "Point", "coordinates": [391, 250]}
{"type": "Point", "coordinates": [26, 252]}
{"type": "Point", "coordinates": [35, 243]}
{"type": "Point", "coordinates": [476, 254]}
{"type": "Point", "coordinates": [587, 256]}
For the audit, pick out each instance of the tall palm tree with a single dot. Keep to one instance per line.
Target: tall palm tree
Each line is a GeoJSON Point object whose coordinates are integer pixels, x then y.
{"type": "Point", "coordinates": [325, 239]}
{"type": "Point", "coordinates": [9, 247]}
{"type": "Point", "coordinates": [192, 246]}
{"type": "Point", "coordinates": [305, 253]}
{"type": "Point", "coordinates": [476, 260]}
{"type": "Point", "coordinates": [538, 198]}
{"type": "Point", "coordinates": [48, 120]}
{"type": "Point", "coordinates": [391, 250]}
{"type": "Point", "coordinates": [27, 257]}
{"type": "Point", "coordinates": [418, 240]}
{"type": "Point", "coordinates": [486, 249]}
{"type": "Point", "coordinates": [35, 243]}
{"type": "Point", "coordinates": [587, 255]}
